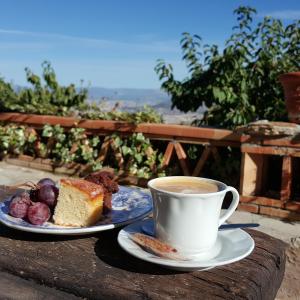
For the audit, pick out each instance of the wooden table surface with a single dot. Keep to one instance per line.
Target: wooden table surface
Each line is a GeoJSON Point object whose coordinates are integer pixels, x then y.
{"type": "Point", "coordinates": [34, 266]}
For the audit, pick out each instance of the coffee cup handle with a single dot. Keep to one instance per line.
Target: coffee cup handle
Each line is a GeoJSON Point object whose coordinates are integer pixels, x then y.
{"type": "Point", "coordinates": [233, 205]}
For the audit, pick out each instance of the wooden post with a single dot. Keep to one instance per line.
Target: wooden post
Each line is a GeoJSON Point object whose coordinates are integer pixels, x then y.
{"type": "Point", "coordinates": [168, 154]}
{"type": "Point", "coordinates": [201, 161]}
{"type": "Point", "coordinates": [118, 155]}
{"type": "Point", "coordinates": [286, 179]}
{"type": "Point", "coordinates": [251, 174]}
{"type": "Point", "coordinates": [215, 153]}
{"type": "Point", "coordinates": [182, 157]}
{"type": "Point", "coordinates": [104, 148]}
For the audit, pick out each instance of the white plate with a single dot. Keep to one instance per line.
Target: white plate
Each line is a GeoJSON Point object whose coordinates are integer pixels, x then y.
{"type": "Point", "coordinates": [128, 205]}
{"type": "Point", "coordinates": [231, 246]}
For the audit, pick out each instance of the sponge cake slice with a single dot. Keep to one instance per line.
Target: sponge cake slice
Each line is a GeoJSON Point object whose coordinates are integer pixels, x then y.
{"type": "Point", "coordinates": [79, 203]}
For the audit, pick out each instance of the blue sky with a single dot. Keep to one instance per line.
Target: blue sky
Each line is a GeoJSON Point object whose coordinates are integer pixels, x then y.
{"type": "Point", "coordinates": [114, 43]}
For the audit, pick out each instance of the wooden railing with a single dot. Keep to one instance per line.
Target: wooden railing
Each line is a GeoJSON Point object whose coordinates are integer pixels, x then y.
{"type": "Point", "coordinates": [254, 154]}
{"type": "Point", "coordinates": [174, 135]}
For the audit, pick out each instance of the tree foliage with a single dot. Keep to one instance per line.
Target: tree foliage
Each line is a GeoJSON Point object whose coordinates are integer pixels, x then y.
{"type": "Point", "coordinates": [47, 98]}
{"type": "Point", "coordinates": [145, 115]}
{"type": "Point", "coordinates": [240, 83]}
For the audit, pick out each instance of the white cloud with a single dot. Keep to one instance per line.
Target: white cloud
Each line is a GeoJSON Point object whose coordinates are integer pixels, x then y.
{"type": "Point", "coordinates": [102, 62]}
{"type": "Point", "coordinates": [147, 45]}
{"type": "Point", "coordinates": [282, 14]}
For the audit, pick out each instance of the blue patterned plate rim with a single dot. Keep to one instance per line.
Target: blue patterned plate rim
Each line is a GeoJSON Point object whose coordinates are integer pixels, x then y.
{"type": "Point", "coordinates": [128, 205]}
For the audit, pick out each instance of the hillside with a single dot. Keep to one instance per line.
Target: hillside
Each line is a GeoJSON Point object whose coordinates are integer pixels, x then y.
{"type": "Point", "coordinates": [141, 96]}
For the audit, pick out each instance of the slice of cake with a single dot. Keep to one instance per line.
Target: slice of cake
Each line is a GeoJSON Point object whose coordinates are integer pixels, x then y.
{"type": "Point", "coordinates": [79, 203]}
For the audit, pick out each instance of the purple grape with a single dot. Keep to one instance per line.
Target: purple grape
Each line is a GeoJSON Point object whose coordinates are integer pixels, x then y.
{"type": "Point", "coordinates": [48, 194]}
{"type": "Point", "coordinates": [19, 205]}
{"type": "Point", "coordinates": [46, 181]}
{"type": "Point", "coordinates": [38, 213]}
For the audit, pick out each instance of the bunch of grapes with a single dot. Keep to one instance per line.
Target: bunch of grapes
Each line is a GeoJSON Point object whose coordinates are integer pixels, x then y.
{"type": "Point", "coordinates": [37, 205]}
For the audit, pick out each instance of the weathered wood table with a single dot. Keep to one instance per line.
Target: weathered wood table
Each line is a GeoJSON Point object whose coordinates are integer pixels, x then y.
{"type": "Point", "coordinates": [34, 266]}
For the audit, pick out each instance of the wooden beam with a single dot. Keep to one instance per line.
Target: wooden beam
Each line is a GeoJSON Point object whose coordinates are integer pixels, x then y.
{"type": "Point", "coordinates": [107, 126]}
{"type": "Point", "coordinates": [168, 154]}
{"type": "Point", "coordinates": [65, 264]}
{"type": "Point", "coordinates": [270, 150]}
{"type": "Point", "coordinates": [182, 157]}
{"type": "Point", "coordinates": [251, 174]}
{"type": "Point", "coordinates": [201, 161]}
{"type": "Point", "coordinates": [104, 148]}
{"type": "Point", "coordinates": [265, 201]}
{"type": "Point", "coordinates": [286, 179]}
{"type": "Point", "coordinates": [118, 155]}
{"type": "Point", "coordinates": [293, 205]}
{"type": "Point", "coordinates": [215, 153]}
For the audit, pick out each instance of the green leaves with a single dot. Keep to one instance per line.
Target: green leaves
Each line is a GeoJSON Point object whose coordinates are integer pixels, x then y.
{"type": "Point", "coordinates": [146, 115]}
{"type": "Point", "coordinates": [190, 46]}
{"type": "Point", "coordinates": [139, 157]}
{"type": "Point", "coordinates": [52, 99]}
{"type": "Point", "coordinates": [240, 84]}
{"type": "Point", "coordinates": [13, 139]}
{"type": "Point", "coordinates": [46, 97]}
{"type": "Point", "coordinates": [126, 150]}
{"type": "Point", "coordinates": [75, 146]}
{"type": "Point", "coordinates": [218, 94]}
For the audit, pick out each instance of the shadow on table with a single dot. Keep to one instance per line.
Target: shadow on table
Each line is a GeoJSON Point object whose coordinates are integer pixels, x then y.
{"type": "Point", "coordinates": [108, 250]}
{"type": "Point", "coordinates": [37, 237]}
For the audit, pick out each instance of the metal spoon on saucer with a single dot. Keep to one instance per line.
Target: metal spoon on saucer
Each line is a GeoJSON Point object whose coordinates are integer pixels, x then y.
{"type": "Point", "coordinates": [148, 229]}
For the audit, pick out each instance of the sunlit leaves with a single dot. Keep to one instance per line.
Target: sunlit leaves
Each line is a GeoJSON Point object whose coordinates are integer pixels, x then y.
{"type": "Point", "coordinates": [145, 115]}
{"type": "Point", "coordinates": [45, 96]}
{"type": "Point", "coordinates": [240, 84]}
{"type": "Point", "coordinates": [75, 146]}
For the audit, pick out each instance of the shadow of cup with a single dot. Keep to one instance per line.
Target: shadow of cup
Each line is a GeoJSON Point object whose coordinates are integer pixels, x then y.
{"type": "Point", "coordinates": [108, 250]}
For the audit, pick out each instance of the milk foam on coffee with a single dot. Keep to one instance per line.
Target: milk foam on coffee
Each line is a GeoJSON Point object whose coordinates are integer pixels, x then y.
{"type": "Point", "coordinates": [186, 186]}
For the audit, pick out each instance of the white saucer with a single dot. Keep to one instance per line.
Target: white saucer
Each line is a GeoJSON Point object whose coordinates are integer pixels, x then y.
{"type": "Point", "coordinates": [234, 245]}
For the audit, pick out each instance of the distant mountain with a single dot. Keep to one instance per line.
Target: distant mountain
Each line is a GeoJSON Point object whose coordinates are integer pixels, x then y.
{"type": "Point", "coordinates": [129, 99]}
{"type": "Point", "coordinates": [139, 96]}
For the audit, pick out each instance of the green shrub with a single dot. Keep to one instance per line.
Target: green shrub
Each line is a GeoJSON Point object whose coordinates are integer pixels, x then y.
{"type": "Point", "coordinates": [47, 98]}
{"type": "Point", "coordinates": [240, 83]}
{"type": "Point", "coordinates": [50, 98]}
{"type": "Point", "coordinates": [146, 115]}
{"type": "Point", "coordinates": [75, 146]}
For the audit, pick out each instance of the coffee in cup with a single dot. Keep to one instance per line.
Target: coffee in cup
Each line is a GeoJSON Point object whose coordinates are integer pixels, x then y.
{"type": "Point", "coordinates": [186, 185]}
{"type": "Point", "coordinates": [186, 213]}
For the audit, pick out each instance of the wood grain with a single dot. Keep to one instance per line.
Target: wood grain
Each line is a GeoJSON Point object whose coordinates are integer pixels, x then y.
{"type": "Point", "coordinates": [16, 288]}
{"type": "Point", "coordinates": [168, 154]}
{"type": "Point", "coordinates": [95, 267]}
{"type": "Point", "coordinates": [107, 126]}
{"type": "Point", "coordinates": [286, 179]}
{"type": "Point", "coordinates": [251, 174]}
{"type": "Point", "coordinates": [202, 160]}
{"type": "Point", "coordinates": [182, 158]}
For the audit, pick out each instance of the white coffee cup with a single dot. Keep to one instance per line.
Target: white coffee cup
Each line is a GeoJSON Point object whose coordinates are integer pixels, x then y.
{"type": "Point", "coordinates": [189, 221]}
